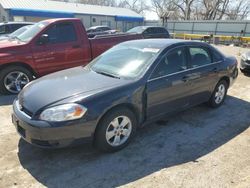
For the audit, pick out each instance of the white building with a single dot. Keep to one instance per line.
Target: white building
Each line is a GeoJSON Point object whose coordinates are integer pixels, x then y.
{"type": "Point", "coordinates": [91, 15]}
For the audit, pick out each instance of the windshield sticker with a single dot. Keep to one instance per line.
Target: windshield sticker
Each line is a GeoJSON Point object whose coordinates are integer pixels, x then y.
{"type": "Point", "coordinates": [152, 50]}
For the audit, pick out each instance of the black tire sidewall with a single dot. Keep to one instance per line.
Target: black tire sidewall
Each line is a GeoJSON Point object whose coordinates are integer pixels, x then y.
{"type": "Point", "coordinates": [100, 136]}
{"type": "Point", "coordinates": [212, 102]}
{"type": "Point", "coordinates": [6, 71]}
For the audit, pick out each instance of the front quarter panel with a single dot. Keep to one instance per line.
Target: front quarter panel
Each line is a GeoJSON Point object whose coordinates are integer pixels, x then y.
{"type": "Point", "coordinates": [100, 102]}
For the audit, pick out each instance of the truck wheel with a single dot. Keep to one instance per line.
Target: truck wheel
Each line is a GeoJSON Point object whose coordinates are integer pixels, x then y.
{"type": "Point", "coordinates": [219, 94]}
{"type": "Point", "coordinates": [115, 130]}
{"type": "Point", "coordinates": [13, 79]}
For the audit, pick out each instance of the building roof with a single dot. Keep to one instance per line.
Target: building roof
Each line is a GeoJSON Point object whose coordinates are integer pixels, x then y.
{"type": "Point", "coordinates": [66, 7]}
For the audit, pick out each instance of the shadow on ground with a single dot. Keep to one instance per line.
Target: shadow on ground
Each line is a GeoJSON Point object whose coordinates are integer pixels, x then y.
{"type": "Point", "coordinates": [6, 99]}
{"type": "Point", "coordinates": [185, 138]}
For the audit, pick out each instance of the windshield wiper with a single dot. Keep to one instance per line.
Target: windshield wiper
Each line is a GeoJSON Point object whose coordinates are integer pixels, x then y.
{"type": "Point", "coordinates": [107, 74]}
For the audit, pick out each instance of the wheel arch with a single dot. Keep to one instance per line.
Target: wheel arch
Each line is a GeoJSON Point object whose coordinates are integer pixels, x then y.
{"type": "Point", "coordinates": [226, 78]}
{"type": "Point", "coordinates": [129, 106]}
{"type": "Point", "coordinates": [21, 64]}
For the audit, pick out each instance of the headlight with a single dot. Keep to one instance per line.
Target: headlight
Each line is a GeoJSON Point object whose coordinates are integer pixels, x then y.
{"type": "Point", "coordinates": [244, 57]}
{"type": "Point", "coordinates": [63, 112]}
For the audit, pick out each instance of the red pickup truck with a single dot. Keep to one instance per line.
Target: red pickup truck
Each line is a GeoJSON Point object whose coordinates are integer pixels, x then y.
{"type": "Point", "coordinates": [50, 46]}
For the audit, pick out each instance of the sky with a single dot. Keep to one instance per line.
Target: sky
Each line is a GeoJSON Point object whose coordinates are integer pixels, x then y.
{"type": "Point", "coordinates": [150, 15]}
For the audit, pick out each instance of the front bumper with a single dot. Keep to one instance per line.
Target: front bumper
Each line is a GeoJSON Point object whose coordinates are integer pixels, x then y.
{"type": "Point", "coordinates": [42, 134]}
{"type": "Point", "coordinates": [245, 65]}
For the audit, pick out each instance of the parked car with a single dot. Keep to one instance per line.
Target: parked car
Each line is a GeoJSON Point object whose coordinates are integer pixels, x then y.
{"type": "Point", "coordinates": [99, 30]}
{"type": "Point", "coordinates": [9, 27]}
{"type": "Point", "coordinates": [15, 33]}
{"type": "Point", "coordinates": [131, 84]}
{"type": "Point", "coordinates": [150, 31]}
{"type": "Point", "coordinates": [245, 62]}
{"type": "Point", "coordinates": [49, 46]}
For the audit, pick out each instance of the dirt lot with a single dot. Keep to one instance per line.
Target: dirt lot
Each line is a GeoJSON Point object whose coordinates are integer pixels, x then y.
{"type": "Point", "coordinates": [200, 147]}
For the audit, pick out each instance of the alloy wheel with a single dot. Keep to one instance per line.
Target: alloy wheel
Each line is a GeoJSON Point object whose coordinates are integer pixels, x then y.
{"type": "Point", "coordinates": [15, 81]}
{"type": "Point", "coordinates": [118, 131]}
{"type": "Point", "coordinates": [220, 93]}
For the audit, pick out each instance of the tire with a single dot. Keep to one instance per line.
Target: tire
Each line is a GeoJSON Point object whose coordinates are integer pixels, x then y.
{"type": "Point", "coordinates": [219, 95]}
{"type": "Point", "coordinates": [13, 72]}
{"type": "Point", "coordinates": [104, 141]}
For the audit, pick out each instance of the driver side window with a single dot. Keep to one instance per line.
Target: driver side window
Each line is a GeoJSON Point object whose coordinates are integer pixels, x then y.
{"type": "Point", "coordinates": [174, 61]}
{"type": "Point", "coordinates": [61, 33]}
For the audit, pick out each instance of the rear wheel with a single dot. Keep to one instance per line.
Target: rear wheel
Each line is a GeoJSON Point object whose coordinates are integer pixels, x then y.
{"type": "Point", "coordinates": [219, 94]}
{"type": "Point", "coordinates": [115, 130]}
{"type": "Point", "coordinates": [13, 79]}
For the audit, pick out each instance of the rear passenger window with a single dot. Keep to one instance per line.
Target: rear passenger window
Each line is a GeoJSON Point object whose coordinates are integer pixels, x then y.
{"type": "Point", "coordinates": [61, 33]}
{"type": "Point", "coordinates": [174, 61]}
{"type": "Point", "coordinates": [199, 56]}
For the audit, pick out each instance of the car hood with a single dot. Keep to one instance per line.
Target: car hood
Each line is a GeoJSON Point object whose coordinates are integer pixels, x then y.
{"type": "Point", "coordinates": [9, 44]}
{"type": "Point", "coordinates": [58, 86]}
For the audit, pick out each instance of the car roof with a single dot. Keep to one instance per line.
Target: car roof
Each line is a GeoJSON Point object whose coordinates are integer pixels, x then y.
{"type": "Point", "coordinates": [10, 23]}
{"type": "Point", "coordinates": [147, 26]}
{"type": "Point", "coordinates": [162, 43]}
{"type": "Point", "coordinates": [99, 26]}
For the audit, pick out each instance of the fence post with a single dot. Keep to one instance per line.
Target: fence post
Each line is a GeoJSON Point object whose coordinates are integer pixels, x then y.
{"type": "Point", "coordinates": [216, 26]}
{"type": "Point", "coordinates": [245, 29]}
{"type": "Point", "coordinates": [193, 28]}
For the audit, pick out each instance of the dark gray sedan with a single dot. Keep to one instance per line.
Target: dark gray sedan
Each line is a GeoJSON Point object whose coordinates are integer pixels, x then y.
{"type": "Point", "coordinates": [131, 84]}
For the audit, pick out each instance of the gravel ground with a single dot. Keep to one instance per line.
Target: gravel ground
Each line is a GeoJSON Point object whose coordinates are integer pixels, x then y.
{"type": "Point", "coordinates": [200, 147]}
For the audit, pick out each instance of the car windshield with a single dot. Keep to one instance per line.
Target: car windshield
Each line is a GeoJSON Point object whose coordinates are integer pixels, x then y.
{"type": "Point", "coordinates": [32, 31]}
{"type": "Point", "coordinates": [136, 30]}
{"type": "Point", "coordinates": [127, 61]}
{"type": "Point", "coordinates": [19, 31]}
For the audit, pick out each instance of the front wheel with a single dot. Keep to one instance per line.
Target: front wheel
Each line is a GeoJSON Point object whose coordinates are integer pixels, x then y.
{"type": "Point", "coordinates": [115, 130]}
{"type": "Point", "coordinates": [13, 79]}
{"type": "Point", "coordinates": [219, 94]}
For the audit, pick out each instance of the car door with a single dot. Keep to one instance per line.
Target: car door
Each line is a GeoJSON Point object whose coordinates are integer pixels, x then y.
{"type": "Point", "coordinates": [63, 49]}
{"type": "Point", "coordinates": [167, 88]}
{"type": "Point", "coordinates": [204, 73]}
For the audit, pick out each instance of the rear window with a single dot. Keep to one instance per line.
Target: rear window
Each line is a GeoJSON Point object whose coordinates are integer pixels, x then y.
{"type": "Point", "coordinates": [15, 27]}
{"type": "Point", "coordinates": [162, 30]}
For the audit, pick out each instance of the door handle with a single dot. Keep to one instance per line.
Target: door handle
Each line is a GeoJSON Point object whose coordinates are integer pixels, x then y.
{"type": "Point", "coordinates": [76, 46]}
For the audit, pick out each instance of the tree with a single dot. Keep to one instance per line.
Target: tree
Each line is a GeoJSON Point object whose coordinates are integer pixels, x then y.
{"type": "Point", "coordinates": [238, 10]}
{"type": "Point", "coordinates": [185, 6]}
{"type": "Point", "coordinates": [138, 6]}
{"type": "Point", "coordinates": [165, 8]}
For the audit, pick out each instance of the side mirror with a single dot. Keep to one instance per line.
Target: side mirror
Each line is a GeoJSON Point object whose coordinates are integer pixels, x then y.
{"type": "Point", "coordinates": [44, 39]}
